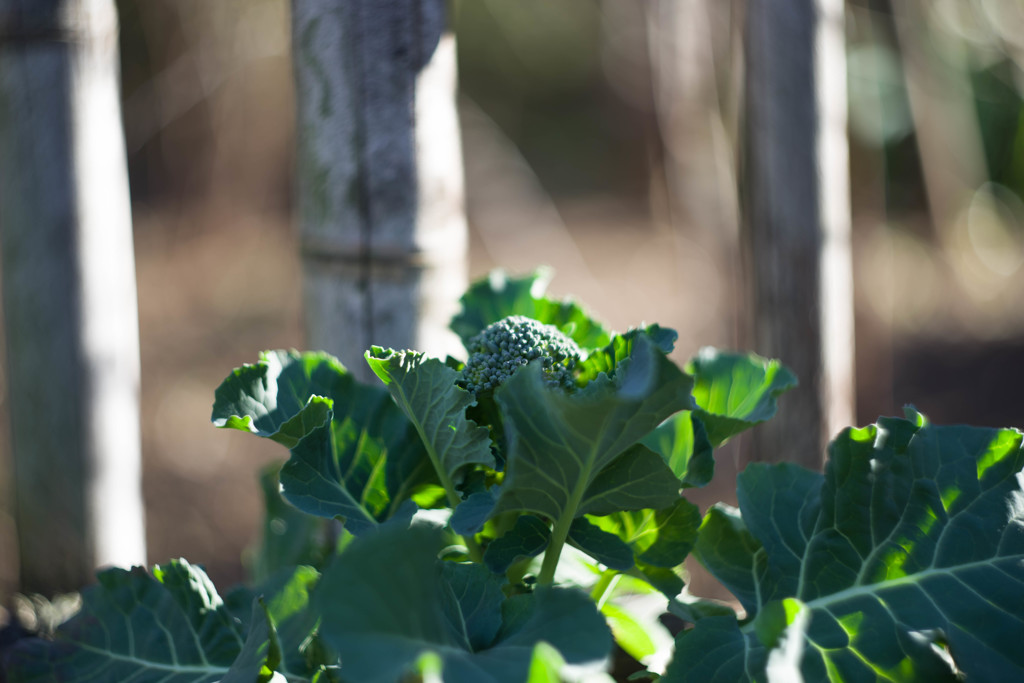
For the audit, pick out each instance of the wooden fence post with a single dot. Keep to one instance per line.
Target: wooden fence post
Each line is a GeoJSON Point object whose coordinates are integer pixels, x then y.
{"type": "Point", "coordinates": [796, 224]}
{"type": "Point", "coordinates": [380, 175]}
{"type": "Point", "coordinates": [69, 293]}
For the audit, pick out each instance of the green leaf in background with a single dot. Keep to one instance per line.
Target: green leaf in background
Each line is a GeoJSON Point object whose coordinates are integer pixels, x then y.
{"type": "Point", "coordinates": [906, 559]}
{"type": "Point", "coordinates": [630, 634]}
{"type": "Point", "coordinates": [168, 626]}
{"type": "Point", "coordinates": [662, 538]}
{"type": "Point", "coordinates": [471, 514]}
{"type": "Point", "coordinates": [659, 540]}
{"type": "Point", "coordinates": [528, 538]}
{"type": "Point", "coordinates": [498, 296]}
{"type": "Point", "coordinates": [271, 397]}
{"type": "Point", "coordinates": [384, 603]}
{"type": "Point", "coordinates": [736, 391]}
{"type": "Point", "coordinates": [606, 548]}
{"type": "Point", "coordinates": [426, 391]}
{"type": "Point", "coordinates": [289, 536]}
{"type": "Point", "coordinates": [545, 665]}
{"type": "Point", "coordinates": [682, 441]}
{"type": "Point", "coordinates": [606, 359]}
{"type": "Point", "coordinates": [354, 454]}
{"type": "Point", "coordinates": [559, 443]}
{"type": "Point", "coordinates": [261, 655]}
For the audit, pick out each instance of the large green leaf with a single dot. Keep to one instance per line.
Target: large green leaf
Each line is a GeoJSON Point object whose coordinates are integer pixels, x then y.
{"type": "Point", "coordinates": [426, 391]}
{"type": "Point", "coordinates": [559, 443]}
{"type": "Point", "coordinates": [170, 627]}
{"type": "Point", "coordinates": [661, 538]}
{"type": "Point", "coordinates": [736, 391]}
{"type": "Point", "coordinates": [354, 454]}
{"type": "Point", "coordinates": [904, 562]}
{"type": "Point", "coordinates": [498, 296]}
{"type": "Point", "coordinates": [605, 547]}
{"type": "Point", "coordinates": [385, 602]}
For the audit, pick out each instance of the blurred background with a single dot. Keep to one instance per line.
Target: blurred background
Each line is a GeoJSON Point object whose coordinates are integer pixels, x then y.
{"type": "Point", "coordinates": [598, 138]}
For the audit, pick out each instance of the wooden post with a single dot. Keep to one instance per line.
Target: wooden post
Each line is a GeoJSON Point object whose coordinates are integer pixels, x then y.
{"type": "Point", "coordinates": [380, 175]}
{"type": "Point", "coordinates": [68, 293]}
{"type": "Point", "coordinates": [796, 224]}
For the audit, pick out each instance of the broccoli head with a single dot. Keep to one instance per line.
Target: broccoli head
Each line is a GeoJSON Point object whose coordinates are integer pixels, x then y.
{"type": "Point", "coordinates": [503, 347]}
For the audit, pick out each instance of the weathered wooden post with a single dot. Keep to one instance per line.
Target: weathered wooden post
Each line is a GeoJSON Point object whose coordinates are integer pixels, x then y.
{"type": "Point", "coordinates": [69, 293]}
{"type": "Point", "coordinates": [796, 223]}
{"type": "Point", "coordinates": [380, 175]}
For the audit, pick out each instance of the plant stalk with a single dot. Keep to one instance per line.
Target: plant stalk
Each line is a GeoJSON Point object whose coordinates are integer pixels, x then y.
{"type": "Point", "coordinates": [559, 534]}
{"type": "Point", "coordinates": [604, 587]}
{"type": "Point", "coordinates": [475, 552]}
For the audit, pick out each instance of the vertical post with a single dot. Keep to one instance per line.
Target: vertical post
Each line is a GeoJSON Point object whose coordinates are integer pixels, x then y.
{"type": "Point", "coordinates": [70, 310]}
{"type": "Point", "coordinates": [380, 175]}
{"type": "Point", "coordinates": [797, 218]}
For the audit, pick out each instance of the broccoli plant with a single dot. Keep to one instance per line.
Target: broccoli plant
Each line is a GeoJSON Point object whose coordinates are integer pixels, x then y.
{"type": "Point", "coordinates": [510, 518]}
{"type": "Point", "coordinates": [505, 346]}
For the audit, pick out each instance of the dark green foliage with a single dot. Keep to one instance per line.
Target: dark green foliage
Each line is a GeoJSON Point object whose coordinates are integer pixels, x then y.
{"type": "Point", "coordinates": [495, 537]}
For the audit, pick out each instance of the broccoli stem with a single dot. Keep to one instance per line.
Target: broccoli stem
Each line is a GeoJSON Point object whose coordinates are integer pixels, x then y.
{"type": "Point", "coordinates": [559, 534]}
{"type": "Point", "coordinates": [475, 552]}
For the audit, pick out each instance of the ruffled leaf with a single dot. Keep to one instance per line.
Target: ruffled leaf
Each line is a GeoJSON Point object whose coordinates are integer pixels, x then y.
{"type": "Point", "coordinates": [170, 626]}
{"type": "Point", "coordinates": [426, 391]}
{"type": "Point", "coordinates": [736, 391]}
{"type": "Point", "coordinates": [354, 454]}
{"type": "Point", "coordinates": [271, 397]}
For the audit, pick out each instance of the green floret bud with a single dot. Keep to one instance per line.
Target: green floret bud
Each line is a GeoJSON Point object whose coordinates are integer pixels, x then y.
{"type": "Point", "coordinates": [507, 345]}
